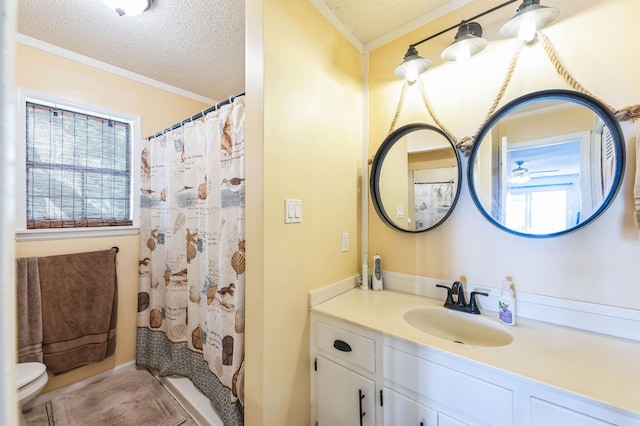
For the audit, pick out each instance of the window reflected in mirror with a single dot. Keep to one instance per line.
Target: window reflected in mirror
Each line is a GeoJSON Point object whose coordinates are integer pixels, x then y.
{"type": "Point", "coordinates": [547, 164]}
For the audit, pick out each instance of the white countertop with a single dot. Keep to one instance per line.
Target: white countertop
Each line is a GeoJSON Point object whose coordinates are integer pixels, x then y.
{"type": "Point", "coordinates": [594, 365]}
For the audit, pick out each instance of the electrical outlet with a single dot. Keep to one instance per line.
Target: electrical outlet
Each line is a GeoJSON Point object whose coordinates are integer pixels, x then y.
{"type": "Point", "coordinates": [345, 241]}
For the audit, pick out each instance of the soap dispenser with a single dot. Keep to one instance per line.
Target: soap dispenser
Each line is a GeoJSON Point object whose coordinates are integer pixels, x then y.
{"type": "Point", "coordinates": [507, 304]}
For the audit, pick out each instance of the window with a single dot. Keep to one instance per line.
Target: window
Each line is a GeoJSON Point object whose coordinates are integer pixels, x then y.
{"type": "Point", "coordinates": [77, 165]}
{"type": "Point", "coordinates": [539, 210]}
{"type": "Point", "coordinates": [556, 190]}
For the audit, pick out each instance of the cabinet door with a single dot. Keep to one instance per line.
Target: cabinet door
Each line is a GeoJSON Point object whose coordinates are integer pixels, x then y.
{"type": "Point", "coordinates": [544, 413]}
{"type": "Point", "coordinates": [343, 396]}
{"type": "Point", "coordinates": [473, 398]}
{"type": "Point", "coordinates": [400, 410]}
{"type": "Point", "coordinates": [444, 420]}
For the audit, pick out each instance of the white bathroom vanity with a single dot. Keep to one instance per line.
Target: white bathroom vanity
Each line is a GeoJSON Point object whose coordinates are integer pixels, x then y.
{"type": "Point", "coordinates": [370, 367]}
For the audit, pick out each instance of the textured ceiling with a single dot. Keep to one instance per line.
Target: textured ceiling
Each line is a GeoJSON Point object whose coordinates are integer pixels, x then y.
{"type": "Point", "coordinates": [196, 45]}
{"type": "Point", "coordinates": [369, 20]}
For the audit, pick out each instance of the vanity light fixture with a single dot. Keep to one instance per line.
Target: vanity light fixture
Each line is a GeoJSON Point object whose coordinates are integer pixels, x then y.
{"type": "Point", "coordinates": [129, 7]}
{"type": "Point", "coordinates": [529, 18]}
{"type": "Point", "coordinates": [412, 66]}
{"type": "Point", "coordinates": [468, 42]}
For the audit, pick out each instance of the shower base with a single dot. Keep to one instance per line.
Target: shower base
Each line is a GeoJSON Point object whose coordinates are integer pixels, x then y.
{"type": "Point", "coordinates": [194, 401]}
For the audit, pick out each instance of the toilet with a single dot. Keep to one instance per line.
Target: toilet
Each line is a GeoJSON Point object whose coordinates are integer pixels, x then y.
{"type": "Point", "coordinates": [31, 378]}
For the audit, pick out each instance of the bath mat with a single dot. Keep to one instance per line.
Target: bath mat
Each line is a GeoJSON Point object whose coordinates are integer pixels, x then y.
{"type": "Point", "coordinates": [132, 398]}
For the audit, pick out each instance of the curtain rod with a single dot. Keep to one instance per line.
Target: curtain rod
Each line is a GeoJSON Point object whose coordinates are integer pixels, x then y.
{"type": "Point", "coordinates": [198, 115]}
{"type": "Point", "coordinates": [433, 183]}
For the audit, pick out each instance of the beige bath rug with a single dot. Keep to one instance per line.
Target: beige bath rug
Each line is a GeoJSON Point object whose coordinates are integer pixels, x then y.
{"type": "Point", "coordinates": [132, 398]}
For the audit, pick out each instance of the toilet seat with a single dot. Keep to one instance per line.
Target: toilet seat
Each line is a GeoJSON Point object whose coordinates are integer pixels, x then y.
{"type": "Point", "coordinates": [28, 372]}
{"type": "Point", "coordinates": [31, 378]}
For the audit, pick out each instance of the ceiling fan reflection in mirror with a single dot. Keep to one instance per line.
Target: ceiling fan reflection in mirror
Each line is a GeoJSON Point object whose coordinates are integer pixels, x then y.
{"type": "Point", "coordinates": [521, 175]}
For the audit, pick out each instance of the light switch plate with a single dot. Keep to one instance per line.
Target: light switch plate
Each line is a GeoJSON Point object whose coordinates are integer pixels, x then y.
{"type": "Point", "coordinates": [345, 241]}
{"type": "Point", "coordinates": [292, 210]}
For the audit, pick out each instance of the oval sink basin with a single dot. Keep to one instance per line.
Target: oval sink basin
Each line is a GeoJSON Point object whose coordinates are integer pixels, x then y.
{"type": "Point", "coordinates": [459, 327]}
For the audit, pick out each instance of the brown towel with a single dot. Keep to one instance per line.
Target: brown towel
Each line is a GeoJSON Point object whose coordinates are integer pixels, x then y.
{"type": "Point", "coordinates": [79, 308]}
{"type": "Point", "coordinates": [29, 310]}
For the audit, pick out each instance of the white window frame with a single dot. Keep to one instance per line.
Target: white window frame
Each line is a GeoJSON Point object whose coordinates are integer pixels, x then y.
{"type": "Point", "coordinates": [22, 233]}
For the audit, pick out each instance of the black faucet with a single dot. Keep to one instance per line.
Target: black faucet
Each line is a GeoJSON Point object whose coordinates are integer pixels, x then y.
{"type": "Point", "coordinates": [458, 289]}
{"type": "Point", "coordinates": [460, 303]}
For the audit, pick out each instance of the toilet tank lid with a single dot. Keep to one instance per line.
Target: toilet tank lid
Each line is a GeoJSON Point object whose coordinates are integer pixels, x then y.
{"type": "Point", "coordinates": [27, 372]}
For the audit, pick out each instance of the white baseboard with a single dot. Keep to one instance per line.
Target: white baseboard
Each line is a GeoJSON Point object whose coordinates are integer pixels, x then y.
{"type": "Point", "coordinates": [610, 320]}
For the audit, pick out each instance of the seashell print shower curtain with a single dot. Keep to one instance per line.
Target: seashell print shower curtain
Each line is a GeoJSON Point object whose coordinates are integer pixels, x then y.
{"type": "Point", "coordinates": [432, 202]}
{"type": "Point", "coordinates": [192, 257]}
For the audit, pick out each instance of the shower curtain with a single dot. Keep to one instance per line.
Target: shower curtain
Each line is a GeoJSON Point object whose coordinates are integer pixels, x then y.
{"type": "Point", "coordinates": [432, 202]}
{"type": "Point", "coordinates": [192, 257]}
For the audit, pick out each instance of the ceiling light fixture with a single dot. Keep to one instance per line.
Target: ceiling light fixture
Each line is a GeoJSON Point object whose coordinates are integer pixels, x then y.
{"type": "Point", "coordinates": [529, 18]}
{"type": "Point", "coordinates": [468, 40]}
{"type": "Point", "coordinates": [129, 7]}
{"type": "Point", "coordinates": [520, 174]}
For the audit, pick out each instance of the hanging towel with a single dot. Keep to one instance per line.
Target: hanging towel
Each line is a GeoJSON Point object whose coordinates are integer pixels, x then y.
{"type": "Point", "coordinates": [79, 308]}
{"type": "Point", "coordinates": [29, 310]}
{"type": "Point", "coordinates": [636, 188]}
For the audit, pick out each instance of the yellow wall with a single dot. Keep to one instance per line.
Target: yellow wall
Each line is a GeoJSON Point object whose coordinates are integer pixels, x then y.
{"type": "Point", "coordinates": [304, 134]}
{"type": "Point", "coordinates": [598, 263]}
{"type": "Point", "coordinates": [308, 146]}
{"type": "Point", "coordinates": [545, 125]}
{"type": "Point", "coordinates": [394, 184]}
{"type": "Point", "coordinates": [432, 159]}
{"type": "Point", "coordinates": [44, 72]}
{"type": "Point", "coordinates": [311, 150]}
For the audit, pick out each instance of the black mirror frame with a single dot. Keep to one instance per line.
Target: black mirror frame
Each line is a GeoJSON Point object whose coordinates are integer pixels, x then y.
{"type": "Point", "coordinates": [555, 94]}
{"type": "Point", "coordinates": [376, 168]}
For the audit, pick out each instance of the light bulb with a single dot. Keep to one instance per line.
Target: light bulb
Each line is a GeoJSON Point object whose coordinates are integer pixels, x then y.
{"type": "Point", "coordinates": [412, 66]}
{"type": "Point", "coordinates": [527, 31]}
{"type": "Point", "coordinates": [412, 73]}
{"type": "Point", "coordinates": [464, 53]}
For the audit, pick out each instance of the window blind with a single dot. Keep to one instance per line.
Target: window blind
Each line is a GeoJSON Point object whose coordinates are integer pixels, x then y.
{"type": "Point", "coordinates": [78, 169]}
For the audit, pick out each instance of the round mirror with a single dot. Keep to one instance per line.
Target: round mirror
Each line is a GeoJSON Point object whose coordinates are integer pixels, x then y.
{"type": "Point", "coordinates": [547, 163]}
{"type": "Point", "coordinates": [415, 178]}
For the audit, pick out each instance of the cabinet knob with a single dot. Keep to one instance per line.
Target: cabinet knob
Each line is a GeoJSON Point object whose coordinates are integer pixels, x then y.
{"type": "Point", "coordinates": [341, 345]}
